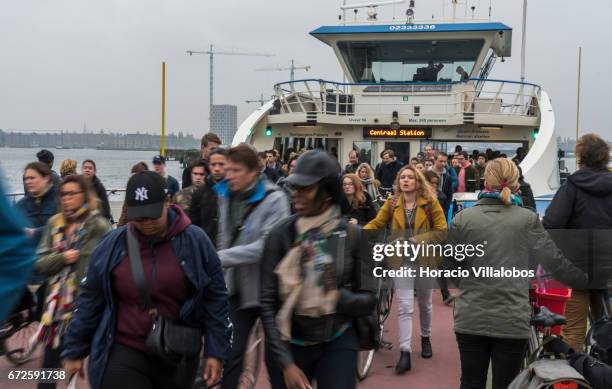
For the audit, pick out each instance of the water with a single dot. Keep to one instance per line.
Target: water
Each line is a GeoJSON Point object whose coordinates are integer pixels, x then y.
{"type": "Point", "coordinates": [113, 165]}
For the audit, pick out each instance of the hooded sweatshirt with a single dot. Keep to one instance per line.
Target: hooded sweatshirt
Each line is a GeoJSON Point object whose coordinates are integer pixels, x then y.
{"type": "Point", "coordinates": [166, 281]}
{"type": "Point", "coordinates": [580, 221]}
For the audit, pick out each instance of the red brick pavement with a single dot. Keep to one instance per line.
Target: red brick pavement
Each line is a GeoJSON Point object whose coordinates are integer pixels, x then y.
{"type": "Point", "coordinates": [440, 372]}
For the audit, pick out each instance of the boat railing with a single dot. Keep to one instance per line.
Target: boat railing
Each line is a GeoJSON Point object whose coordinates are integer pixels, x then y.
{"type": "Point", "coordinates": [430, 99]}
{"type": "Point", "coordinates": [416, 22]}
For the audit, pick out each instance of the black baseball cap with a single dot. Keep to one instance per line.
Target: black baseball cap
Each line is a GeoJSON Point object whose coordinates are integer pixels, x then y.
{"type": "Point", "coordinates": [312, 167]}
{"type": "Point", "coordinates": [145, 195]}
{"type": "Point", "coordinates": [159, 159]}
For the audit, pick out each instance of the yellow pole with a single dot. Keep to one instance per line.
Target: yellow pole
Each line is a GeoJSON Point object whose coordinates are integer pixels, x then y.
{"type": "Point", "coordinates": [578, 101]}
{"type": "Point", "coordinates": [163, 123]}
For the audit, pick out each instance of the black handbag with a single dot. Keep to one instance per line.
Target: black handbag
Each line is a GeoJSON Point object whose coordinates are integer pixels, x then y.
{"type": "Point", "coordinates": [168, 340]}
{"type": "Point", "coordinates": [366, 327]}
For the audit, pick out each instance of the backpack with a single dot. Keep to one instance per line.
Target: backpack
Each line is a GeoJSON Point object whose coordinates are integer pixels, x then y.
{"type": "Point", "coordinates": [595, 371]}
{"type": "Point", "coordinates": [549, 374]}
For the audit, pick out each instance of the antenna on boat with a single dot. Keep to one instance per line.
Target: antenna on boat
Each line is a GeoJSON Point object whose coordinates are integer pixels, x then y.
{"type": "Point", "coordinates": [372, 7]}
{"type": "Point", "coordinates": [410, 12]}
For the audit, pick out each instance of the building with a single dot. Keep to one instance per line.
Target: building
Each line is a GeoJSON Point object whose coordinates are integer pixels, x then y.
{"type": "Point", "coordinates": [224, 122]}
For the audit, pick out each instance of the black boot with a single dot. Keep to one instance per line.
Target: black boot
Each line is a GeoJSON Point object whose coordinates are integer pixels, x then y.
{"type": "Point", "coordinates": [426, 351]}
{"type": "Point", "coordinates": [403, 365]}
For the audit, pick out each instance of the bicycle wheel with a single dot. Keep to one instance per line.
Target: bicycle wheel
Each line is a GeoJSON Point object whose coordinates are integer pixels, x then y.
{"type": "Point", "coordinates": [383, 308]}
{"type": "Point", "coordinates": [19, 344]}
{"type": "Point", "coordinates": [364, 363]}
{"type": "Point", "coordinates": [252, 358]}
{"type": "Point", "coordinates": [384, 304]}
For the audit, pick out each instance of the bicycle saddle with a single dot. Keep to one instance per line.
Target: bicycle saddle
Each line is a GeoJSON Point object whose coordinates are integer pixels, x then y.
{"type": "Point", "coordinates": [546, 318]}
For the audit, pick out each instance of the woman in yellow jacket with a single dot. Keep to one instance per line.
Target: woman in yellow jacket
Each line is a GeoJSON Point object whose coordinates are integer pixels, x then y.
{"type": "Point", "coordinates": [414, 214]}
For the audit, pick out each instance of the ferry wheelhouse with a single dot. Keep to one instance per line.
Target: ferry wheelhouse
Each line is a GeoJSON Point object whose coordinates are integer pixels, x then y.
{"type": "Point", "coordinates": [409, 85]}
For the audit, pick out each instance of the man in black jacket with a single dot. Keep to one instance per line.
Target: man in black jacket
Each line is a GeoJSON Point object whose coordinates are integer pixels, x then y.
{"type": "Point", "coordinates": [445, 183]}
{"type": "Point", "coordinates": [204, 211]}
{"type": "Point", "coordinates": [387, 172]}
{"type": "Point", "coordinates": [353, 163]}
{"type": "Point", "coordinates": [209, 142]}
{"type": "Point", "coordinates": [580, 221]}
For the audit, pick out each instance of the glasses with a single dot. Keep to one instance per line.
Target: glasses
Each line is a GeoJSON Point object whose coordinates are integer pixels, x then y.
{"type": "Point", "coordinates": [69, 194]}
{"type": "Point", "coordinates": [348, 184]}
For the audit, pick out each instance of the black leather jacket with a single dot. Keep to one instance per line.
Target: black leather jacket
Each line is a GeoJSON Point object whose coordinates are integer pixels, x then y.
{"type": "Point", "coordinates": [353, 301]}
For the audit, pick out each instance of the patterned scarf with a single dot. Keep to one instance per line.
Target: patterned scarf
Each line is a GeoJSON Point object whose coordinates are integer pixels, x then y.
{"type": "Point", "coordinates": [307, 279]}
{"type": "Point", "coordinates": [370, 188]}
{"type": "Point", "coordinates": [61, 293]}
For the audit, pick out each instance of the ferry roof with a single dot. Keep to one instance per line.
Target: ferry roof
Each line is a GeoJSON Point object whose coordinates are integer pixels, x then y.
{"type": "Point", "coordinates": [411, 28]}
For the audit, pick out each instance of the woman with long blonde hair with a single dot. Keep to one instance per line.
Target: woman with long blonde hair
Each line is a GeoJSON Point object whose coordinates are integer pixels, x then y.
{"type": "Point", "coordinates": [370, 184]}
{"type": "Point", "coordinates": [415, 215]}
{"type": "Point", "coordinates": [492, 313]}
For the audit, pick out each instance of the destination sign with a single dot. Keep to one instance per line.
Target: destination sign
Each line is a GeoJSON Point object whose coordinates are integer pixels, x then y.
{"type": "Point", "coordinates": [402, 133]}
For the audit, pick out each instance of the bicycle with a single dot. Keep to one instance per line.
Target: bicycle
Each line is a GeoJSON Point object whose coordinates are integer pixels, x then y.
{"type": "Point", "coordinates": [384, 298]}
{"type": "Point", "coordinates": [252, 358]}
{"type": "Point", "coordinates": [251, 362]}
{"type": "Point", "coordinates": [17, 336]}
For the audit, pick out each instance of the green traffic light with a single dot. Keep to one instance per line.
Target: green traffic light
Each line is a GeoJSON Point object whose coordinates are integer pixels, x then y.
{"type": "Point", "coordinates": [269, 131]}
{"type": "Point", "coordinates": [535, 133]}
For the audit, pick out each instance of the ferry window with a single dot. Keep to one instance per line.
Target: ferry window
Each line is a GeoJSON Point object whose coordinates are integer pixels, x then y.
{"type": "Point", "coordinates": [364, 151]}
{"type": "Point", "coordinates": [402, 61]}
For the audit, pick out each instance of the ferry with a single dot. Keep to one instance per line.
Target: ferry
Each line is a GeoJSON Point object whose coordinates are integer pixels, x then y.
{"type": "Point", "coordinates": [411, 83]}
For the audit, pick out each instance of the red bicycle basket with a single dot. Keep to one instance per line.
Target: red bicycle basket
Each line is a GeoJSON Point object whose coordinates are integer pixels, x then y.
{"type": "Point", "coordinates": [554, 296]}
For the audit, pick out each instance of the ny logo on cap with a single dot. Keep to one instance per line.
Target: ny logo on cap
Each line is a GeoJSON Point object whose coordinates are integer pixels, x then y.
{"type": "Point", "coordinates": [141, 194]}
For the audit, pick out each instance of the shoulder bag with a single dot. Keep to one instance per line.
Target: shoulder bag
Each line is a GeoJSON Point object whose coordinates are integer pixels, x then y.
{"type": "Point", "coordinates": [168, 340]}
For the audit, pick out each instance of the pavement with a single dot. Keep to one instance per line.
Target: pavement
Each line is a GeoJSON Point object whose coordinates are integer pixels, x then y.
{"type": "Point", "coordinates": [440, 372]}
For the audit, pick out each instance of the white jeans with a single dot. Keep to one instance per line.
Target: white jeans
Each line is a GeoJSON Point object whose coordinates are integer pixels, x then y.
{"type": "Point", "coordinates": [404, 289]}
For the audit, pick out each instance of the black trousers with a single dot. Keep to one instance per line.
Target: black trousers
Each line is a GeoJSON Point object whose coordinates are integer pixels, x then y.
{"type": "Point", "coordinates": [51, 360]}
{"type": "Point", "coordinates": [243, 321]}
{"type": "Point", "coordinates": [332, 365]}
{"type": "Point", "coordinates": [128, 368]}
{"type": "Point", "coordinates": [505, 355]}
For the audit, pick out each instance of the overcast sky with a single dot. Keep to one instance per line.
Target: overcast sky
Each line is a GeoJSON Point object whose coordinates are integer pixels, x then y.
{"type": "Point", "coordinates": [64, 63]}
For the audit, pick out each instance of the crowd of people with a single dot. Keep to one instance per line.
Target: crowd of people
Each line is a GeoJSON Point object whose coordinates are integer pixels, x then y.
{"type": "Point", "coordinates": [188, 269]}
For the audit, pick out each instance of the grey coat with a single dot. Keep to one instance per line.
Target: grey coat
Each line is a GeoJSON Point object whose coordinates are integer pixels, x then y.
{"type": "Point", "coordinates": [515, 238]}
{"type": "Point", "coordinates": [244, 256]}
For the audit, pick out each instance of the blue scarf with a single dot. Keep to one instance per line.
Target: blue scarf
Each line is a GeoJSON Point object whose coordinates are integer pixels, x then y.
{"type": "Point", "coordinates": [494, 194]}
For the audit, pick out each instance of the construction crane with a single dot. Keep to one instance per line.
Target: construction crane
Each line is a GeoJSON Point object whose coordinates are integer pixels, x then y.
{"type": "Point", "coordinates": [211, 53]}
{"type": "Point", "coordinates": [261, 101]}
{"type": "Point", "coordinates": [291, 68]}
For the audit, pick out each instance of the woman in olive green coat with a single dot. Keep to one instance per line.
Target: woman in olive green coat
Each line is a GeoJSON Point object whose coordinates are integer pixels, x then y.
{"type": "Point", "coordinates": [492, 313]}
{"type": "Point", "coordinates": [63, 256]}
